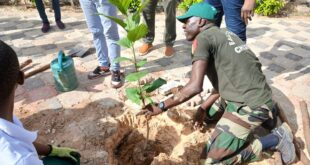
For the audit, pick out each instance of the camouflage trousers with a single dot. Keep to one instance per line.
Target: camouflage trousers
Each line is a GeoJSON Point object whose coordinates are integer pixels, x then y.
{"type": "Point", "coordinates": [229, 143]}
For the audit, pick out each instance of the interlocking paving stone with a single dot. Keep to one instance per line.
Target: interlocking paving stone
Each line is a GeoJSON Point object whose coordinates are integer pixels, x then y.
{"type": "Point", "coordinates": [265, 22]}
{"type": "Point", "coordinates": [303, 24]}
{"type": "Point", "coordinates": [276, 68]}
{"type": "Point", "coordinates": [299, 67]}
{"type": "Point", "coordinates": [305, 47]}
{"type": "Point", "coordinates": [292, 30]}
{"type": "Point", "coordinates": [299, 38]}
{"type": "Point", "coordinates": [33, 83]}
{"type": "Point", "coordinates": [267, 55]}
{"type": "Point", "coordinates": [164, 62]}
{"type": "Point", "coordinates": [17, 36]}
{"type": "Point", "coordinates": [284, 23]}
{"type": "Point", "coordinates": [49, 46]}
{"type": "Point", "coordinates": [261, 45]}
{"type": "Point", "coordinates": [293, 57]}
{"type": "Point", "coordinates": [306, 71]}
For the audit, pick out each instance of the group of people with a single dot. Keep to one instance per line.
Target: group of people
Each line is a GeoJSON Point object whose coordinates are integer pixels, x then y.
{"type": "Point", "coordinates": [240, 101]}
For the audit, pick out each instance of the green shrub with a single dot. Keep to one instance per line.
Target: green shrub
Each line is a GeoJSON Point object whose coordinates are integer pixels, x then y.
{"type": "Point", "coordinates": [184, 6]}
{"type": "Point", "coordinates": [269, 7]}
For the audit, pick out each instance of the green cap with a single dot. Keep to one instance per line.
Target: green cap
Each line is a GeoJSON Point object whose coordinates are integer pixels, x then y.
{"type": "Point", "coordinates": [202, 10]}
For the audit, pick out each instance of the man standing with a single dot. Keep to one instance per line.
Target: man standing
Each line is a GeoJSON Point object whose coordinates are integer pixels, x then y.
{"type": "Point", "coordinates": [237, 13]}
{"type": "Point", "coordinates": [238, 81]}
{"type": "Point", "coordinates": [170, 26]}
{"type": "Point", "coordinates": [105, 36]}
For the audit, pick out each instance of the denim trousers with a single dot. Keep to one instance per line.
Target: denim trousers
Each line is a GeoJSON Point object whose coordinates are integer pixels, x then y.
{"type": "Point", "coordinates": [104, 31]}
{"type": "Point", "coordinates": [232, 11]}
{"type": "Point", "coordinates": [170, 21]}
{"type": "Point", "coordinates": [41, 10]}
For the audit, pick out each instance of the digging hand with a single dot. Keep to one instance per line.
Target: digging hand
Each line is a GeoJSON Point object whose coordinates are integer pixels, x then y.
{"type": "Point", "coordinates": [247, 10]}
{"type": "Point", "coordinates": [150, 110]}
{"type": "Point", "coordinates": [199, 117]}
{"type": "Point", "coordinates": [65, 152]}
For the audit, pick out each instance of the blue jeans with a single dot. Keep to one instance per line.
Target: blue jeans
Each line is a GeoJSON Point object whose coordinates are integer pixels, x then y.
{"type": "Point", "coordinates": [232, 11]}
{"type": "Point", "coordinates": [41, 10]}
{"type": "Point", "coordinates": [105, 32]}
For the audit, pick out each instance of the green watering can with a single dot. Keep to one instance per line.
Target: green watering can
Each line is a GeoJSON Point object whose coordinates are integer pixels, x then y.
{"type": "Point", "coordinates": [64, 73]}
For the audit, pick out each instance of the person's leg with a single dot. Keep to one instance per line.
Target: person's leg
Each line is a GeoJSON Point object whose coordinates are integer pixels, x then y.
{"type": "Point", "coordinates": [57, 13]}
{"type": "Point", "coordinates": [170, 22]}
{"type": "Point", "coordinates": [95, 27]}
{"type": "Point", "coordinates": [149, 18]}
{"type": "Point", "coordinates": [219, 7]}
{"type": "Point", "coordinates": [170, 26]}
{"type": "Point", "coordinates": [229, 142]}
{"type": "Point", "coordinates": [234, 23]}
{"type": "Point", "coordinates": [56, 9]}
{"type": "Point", "coordinates": [110, 32]}
{"type": "Point", "coordinates": [216, 111]}
{"type": "Point", "coordinates": [41, 10]}
{"type": "Point", "coordinates": [111, 35]}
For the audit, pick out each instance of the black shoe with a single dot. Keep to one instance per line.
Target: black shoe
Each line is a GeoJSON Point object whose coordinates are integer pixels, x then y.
{"type": "Point", "coordinates": [45, 27]}
{"type": "Point", "coordinates": [99, 72]}
{"type": "Point", "coordinates": [60, 24]}
{"type": "Point", "coordinates": [116, 80]}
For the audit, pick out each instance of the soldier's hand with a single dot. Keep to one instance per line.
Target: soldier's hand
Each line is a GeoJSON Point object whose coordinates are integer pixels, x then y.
{"type": "Point", "coordinates": [247, 10]}
{"type": "Point", "coordinates": [150, 110]}
{"type": "Point", "coordinates": [199, 118]}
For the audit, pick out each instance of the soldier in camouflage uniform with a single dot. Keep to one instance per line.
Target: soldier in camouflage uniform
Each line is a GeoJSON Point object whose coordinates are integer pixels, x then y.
{"type": "Point", "coordinates": [241, 98]}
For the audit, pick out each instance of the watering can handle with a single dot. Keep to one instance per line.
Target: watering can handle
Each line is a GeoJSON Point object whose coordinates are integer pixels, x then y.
{"type": "Point", "coordinates": [60, 57]}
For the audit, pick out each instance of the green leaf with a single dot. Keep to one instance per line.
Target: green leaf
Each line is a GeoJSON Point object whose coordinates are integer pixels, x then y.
{"type": "Point", "coordinates": [115, 19]}
{"type": "Point", "coordinates": [122, 5]}
{"type": "Point", "coordinates": [154, 85]}
{"type": "Point", "coordinates": [137, 33]}
{"type": "Point", "coordinates": [133, 94]}
{"type": "Point", "coordinates": [141, 63]}
{"type": "Point", "coordinates": [136, 76]}
{"type": "Point", "coordinates": [125, 42]}
{"type": "Point", "coordinates": [121, 59]}
{"type": "Point", "coordinates": [132, 21]}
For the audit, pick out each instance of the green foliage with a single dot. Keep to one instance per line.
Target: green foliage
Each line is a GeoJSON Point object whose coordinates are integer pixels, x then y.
{"type": "Point", "coordinates": [131, 10]}
{"type": "Point", "coordinates": [184, 6]}
{"type": "Point", "coordinates": [269, 7]}
{"type": "Point", "coordinates": [136, 76]}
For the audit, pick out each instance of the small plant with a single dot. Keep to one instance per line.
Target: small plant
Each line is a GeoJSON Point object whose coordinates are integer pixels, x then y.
{"type": "Point", "coordinates": [269, 7]}
{"type": "Point", "coordinates": [139, 94]}
{"type": "Point", "coordinates": [184, 6]}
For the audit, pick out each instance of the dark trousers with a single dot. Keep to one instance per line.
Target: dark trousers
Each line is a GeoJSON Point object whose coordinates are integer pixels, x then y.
{"type": "Point", "coordinates": [41, 10]}
{"type": "Point", "coordinates": [232, 11]}
{"type": "Point", "coordinates": [170, 21]}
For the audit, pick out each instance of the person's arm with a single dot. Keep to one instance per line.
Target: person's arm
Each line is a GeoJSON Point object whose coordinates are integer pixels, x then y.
{"type": "Point", "coordinates": [210, 100]}
{"type": "Point", "coordinates": [247, 10]}
{"type": "Point", "coordinates": [49, 150]}
{"type": "Point", "coordinates": [192, 88]}
{"type": "Point", "coordinates": [205, 106]}
{"type": "Point", "coordinates": [42, 149]}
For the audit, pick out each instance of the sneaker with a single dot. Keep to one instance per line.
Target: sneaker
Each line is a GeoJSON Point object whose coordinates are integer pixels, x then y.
{"type": "Point", "coordinates": [169, 51]}
{"type": "Point", "coordinates": [45, 27]}
{"type": "Point", "coordinates": [285, 145]}
{"type": "Point", "coordinates": [145, 48]}
{"type": "Point", "coordinates": [60, 24]}
{"type": "Point", "coordinates": [116, 81]}
{"type": "Point", "coordinates": [99, 72]}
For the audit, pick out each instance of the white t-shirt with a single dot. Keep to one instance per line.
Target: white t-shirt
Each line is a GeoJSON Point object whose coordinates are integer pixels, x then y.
{"type": "Point", "coordinates": [16, 144]}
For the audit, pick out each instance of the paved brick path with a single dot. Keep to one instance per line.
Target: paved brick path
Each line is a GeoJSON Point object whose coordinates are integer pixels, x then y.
{"type": "Point", "coordinates": [281, 44]}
